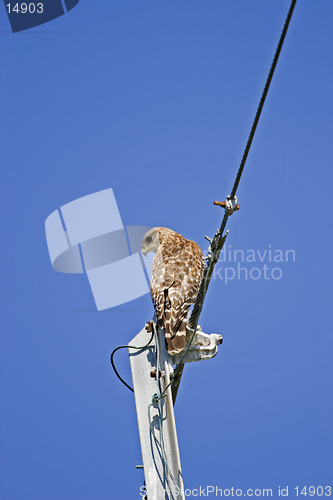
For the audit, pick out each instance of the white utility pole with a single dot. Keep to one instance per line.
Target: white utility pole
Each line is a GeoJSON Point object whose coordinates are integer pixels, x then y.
{"type": "Point", "coordinates": [158, 435]}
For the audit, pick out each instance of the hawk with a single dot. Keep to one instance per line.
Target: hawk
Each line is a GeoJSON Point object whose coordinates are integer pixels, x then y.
{"type": "Point", "coordinates": [176, 275]}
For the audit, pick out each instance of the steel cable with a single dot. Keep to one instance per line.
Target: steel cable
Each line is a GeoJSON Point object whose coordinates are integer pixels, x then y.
{"type": "Point", "coordinates": [217, 242]}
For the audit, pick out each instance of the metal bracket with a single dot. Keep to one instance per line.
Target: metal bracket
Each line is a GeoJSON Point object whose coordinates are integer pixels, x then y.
{"type": "Point", "coordinates": [203, 347]}
{"type": "Point", "coordinates": [230, 205]}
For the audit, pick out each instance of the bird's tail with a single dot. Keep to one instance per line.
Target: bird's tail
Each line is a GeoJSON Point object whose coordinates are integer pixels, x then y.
{"type": "Point", "coordinates": [175, 342]}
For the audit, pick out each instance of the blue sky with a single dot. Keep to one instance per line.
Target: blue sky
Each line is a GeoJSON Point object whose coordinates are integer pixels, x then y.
{"type": "Point", "coordinates": [155, 99]}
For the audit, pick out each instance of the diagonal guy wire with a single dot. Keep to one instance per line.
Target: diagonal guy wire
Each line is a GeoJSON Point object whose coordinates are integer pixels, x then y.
{"type": "Point", "coordinates": [219, 239]}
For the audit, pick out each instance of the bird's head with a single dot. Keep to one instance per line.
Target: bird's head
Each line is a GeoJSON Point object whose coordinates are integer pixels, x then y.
{"type": "Point", "coordinates": [150, 241]}
{"type": "Point", "coordinates": [153, 238]}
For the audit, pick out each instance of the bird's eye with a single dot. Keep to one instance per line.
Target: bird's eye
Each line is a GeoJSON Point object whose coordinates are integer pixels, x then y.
{"type": "Point", "coordinates": [148, 239]}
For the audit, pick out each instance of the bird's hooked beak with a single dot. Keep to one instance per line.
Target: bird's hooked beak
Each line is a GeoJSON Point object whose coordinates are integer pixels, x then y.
{"type": "Point", "coordinates": [145, 252]}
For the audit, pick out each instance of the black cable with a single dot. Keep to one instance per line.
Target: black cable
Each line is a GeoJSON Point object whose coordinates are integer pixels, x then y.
{"type": "Point", "coordinates": [219, 238]}
{"type": "Point", "coordinates": [263, 97]}
{"type": "Point", "coordinates": [217, 241]}
{"type": "Point", "coordinates": [123, 347]}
